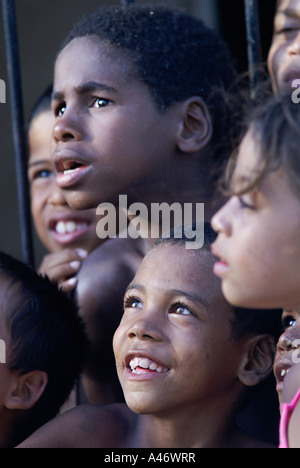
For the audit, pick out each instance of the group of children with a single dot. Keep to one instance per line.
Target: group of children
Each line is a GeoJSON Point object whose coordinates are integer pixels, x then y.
{"type": "Point", "coordinates": [141, 107]}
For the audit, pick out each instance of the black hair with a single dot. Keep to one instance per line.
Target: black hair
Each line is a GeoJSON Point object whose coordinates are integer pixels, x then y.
{"type": "Point", "coordinates": [45, 333]}
{"type": "Point", "coordinates": [276, 127]}
{"type": "Point", "coordinates": [175, 54]}
{"type": "Point", "coordinates": [245, 321]}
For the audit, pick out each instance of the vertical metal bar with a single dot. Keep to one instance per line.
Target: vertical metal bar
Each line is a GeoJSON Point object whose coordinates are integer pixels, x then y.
{"type": "Point", "coordinates": [16, 103]}
{"type": "Point", "coordinates": [253, 41]}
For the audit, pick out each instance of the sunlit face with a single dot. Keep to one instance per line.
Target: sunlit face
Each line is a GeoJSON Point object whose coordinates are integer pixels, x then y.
{"type": "Point", "coordinates": [174, 346]}
{"type": "Point", "coordinates": [284, 54]}
{"type": "Point", "coordinates": [288, 352]}
{"type": "Point", "coordinates": [259, 242]}
{"type": "Point", "coordinates": [110, 138]}
{"type": "Point", "coordinates": [57, 225]}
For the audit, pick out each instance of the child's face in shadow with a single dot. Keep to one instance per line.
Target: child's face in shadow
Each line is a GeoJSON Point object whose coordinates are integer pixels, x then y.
{"type": "Point", "coordinates": [57, 225]}
{"type": "Point", "coordinates": [284, 54]}
{"type": "Point", "coordinates": [258, 236]}
{"type": "Point", "coordinates": [174, 345]}
{"type": "Point", "coordinates": [110, 137]}
{"type": "Point", "coordinates": [288, 352]}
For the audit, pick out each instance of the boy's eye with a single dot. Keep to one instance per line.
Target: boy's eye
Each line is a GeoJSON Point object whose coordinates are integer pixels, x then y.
{"type": "Point", "coordinates": [132, 303]}
{"type": "Point", "coordinates": [180, 309]}
{"type": "Point", "coordinates": [101, 102]}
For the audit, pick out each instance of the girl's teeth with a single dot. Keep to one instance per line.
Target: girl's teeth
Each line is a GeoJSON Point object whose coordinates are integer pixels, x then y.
{"type": "Point", "coordinates": [68, 227]}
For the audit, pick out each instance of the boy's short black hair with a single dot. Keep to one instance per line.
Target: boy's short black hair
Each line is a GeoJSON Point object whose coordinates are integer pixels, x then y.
{"type": "Point", "coordinates": [45, 333]}
{"type": "Point", "coordinates": [175, 54]}
{"type": "Point", "coordinates": [245, 321]}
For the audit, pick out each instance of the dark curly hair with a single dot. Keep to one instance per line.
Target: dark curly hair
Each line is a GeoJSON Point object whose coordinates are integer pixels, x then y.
{"type": "Point", "coordinates": [45, 334]}
{"type": "Point", "coordinates": [173, 53]}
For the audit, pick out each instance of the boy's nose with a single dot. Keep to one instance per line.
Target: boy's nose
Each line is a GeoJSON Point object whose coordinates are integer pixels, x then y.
{"type": "Point", "coordinates": [145, 329]}
{"type": "Point", "coordinates": [66, 128]}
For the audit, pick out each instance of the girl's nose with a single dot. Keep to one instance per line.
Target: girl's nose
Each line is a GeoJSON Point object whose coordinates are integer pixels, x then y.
{"type": "Point", "coordinates": [221, 220]}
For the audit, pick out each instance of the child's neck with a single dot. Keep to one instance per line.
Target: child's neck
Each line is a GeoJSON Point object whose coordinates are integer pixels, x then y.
{"type": "Point", "coordinates": [186, 428]}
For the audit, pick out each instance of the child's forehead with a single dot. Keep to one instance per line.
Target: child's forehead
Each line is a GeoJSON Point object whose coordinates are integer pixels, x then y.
{"type": "Point", "coordinates": [91, 50]}
{"type": "Point", "coordinates": [172, 263]}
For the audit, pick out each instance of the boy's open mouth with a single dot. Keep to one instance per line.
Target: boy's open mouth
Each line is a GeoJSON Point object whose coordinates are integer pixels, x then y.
{"type": "Point", "coordinates": [65, 167]}
{"type": "Point", "coordinates": [69, 172]}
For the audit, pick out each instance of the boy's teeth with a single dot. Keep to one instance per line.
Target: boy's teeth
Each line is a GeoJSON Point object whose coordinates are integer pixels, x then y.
{"type": "Point", "coordinates": [145, 363]}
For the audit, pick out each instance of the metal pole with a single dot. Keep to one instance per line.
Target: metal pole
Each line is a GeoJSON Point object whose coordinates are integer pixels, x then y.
{"type": "Point", "coordinates": [16, 103]}
{"type": "Point", "coordinates": [253, 41]}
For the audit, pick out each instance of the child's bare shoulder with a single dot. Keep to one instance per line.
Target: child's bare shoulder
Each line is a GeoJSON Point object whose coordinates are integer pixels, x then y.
{"type": "Point", "coordinates": [86, 426]}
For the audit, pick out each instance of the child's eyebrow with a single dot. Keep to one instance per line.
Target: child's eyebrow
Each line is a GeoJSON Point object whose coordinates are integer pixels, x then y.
{"type": "Point", "coordinates": [38, 163]}
{"type": "Point", "coordinates": [174, 292]}
{"type": "Point", "coordinates": [90, 86]}
{"type": "Point", "coordinates": [84, 88]}
{"type": "Point", "coordinates": [192, 297]}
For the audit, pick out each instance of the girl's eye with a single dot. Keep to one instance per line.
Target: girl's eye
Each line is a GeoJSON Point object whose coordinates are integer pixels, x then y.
{"type": "Point", "coordinates": [289, 321]}
{"type": "Point", "coordinates": [101, 102]}
{"type": "Point", "coordinates": [180, 309]}
{"type": "Point", "coordinates": [245, 204]}
{"type": "Point", "coordinates": [132, 303]}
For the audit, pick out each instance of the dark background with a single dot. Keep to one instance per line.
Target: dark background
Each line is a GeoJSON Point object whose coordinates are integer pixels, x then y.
{"type": "Point", "coordinates": [42, 26]}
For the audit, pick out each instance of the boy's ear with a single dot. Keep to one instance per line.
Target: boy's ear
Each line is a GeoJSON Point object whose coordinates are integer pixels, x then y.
{"type": "Point", "coordinates": [195, 127]}
{"type": "Point", "coordinates": [26, 390]}
{"type": "Point", "coordinates": [257, 364]}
